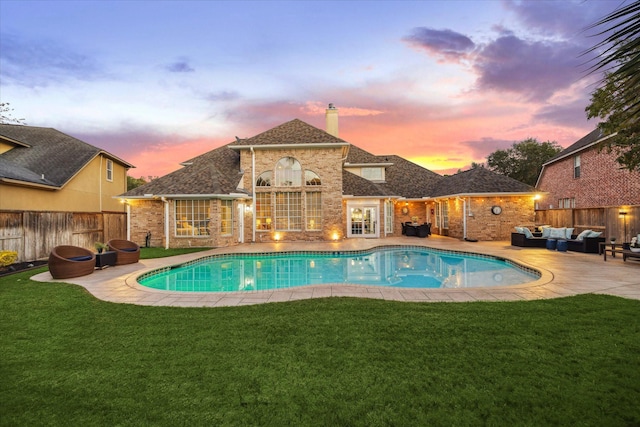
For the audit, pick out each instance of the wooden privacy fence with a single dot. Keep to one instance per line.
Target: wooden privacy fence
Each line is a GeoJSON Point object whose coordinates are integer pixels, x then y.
{"type": "Point", "coordinates": [608, 220]}
{"type": "Point", "coordinates": [33, 234]}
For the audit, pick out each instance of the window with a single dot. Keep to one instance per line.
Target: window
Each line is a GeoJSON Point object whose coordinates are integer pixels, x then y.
{"type": "Point", "coordinates": [444, 214]}
{"type": "Point", "coordinates": [311, 178]}
{"type": "Point", "coordinates": [288, 172]}
{"type": "Point", "coordinates": [372, 174]}
{"type": "Point", "coordinates": [388, 217]}
{"type": "Point", "coordinates": [567, 203]}
{"type": "Point", "coordinates": [314, 211]}
{"type": "Point", "coordinates": [264, 180]}
{"type": "Point", "coordinates": [192, 217]}
{"type": "Point", "coordinates": [226, 217]}
{"type": "Point", "coordinates": [576, 167]}
{"type": "Point", "coordinates": [263, 211]}
{"type": "Point", "coordinates": [288, 211]}
{"type": "Point", "coordinates": [109, 170]}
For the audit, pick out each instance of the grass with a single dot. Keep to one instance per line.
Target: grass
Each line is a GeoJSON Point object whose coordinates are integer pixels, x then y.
{"type": "Point", "coordinates": [70, 359]}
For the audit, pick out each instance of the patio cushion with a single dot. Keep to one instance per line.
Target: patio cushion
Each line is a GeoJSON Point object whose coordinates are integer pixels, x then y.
{"type": "Point", "coordinates": [80, 258]}
{"type": "Point", "coordinates": [584, 234]}
{"type": "Point", "coordinates": [557, 233]}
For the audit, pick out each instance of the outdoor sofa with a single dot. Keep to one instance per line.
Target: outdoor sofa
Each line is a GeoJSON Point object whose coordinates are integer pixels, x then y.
{"type": "Point", "coordinates": [66, 262]}
{"type": "Point", "coordinates": [587, 241]}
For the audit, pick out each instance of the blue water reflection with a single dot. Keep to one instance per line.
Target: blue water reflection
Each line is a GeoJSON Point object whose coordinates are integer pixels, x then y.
{"type": "Point", "coordinates": [396, 267]}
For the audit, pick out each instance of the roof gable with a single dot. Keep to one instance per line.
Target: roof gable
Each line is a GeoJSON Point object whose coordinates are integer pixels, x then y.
{"type": "Point", "coordinates": [45, 152]}
{"type": "Point", "coordinates": [290, 133]}
{"type": "Point", "coordinates": [586, 141]}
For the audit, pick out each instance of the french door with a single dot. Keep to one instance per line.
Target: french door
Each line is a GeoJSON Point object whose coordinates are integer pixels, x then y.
{"type": "Point", "coordinates": [363, 222]}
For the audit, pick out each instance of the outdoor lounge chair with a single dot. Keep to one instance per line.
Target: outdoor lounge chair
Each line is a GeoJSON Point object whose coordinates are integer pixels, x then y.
{"type": "Point", "coordinates": [71, 261]}
{"type": "Point", "coordinates": [127, 252]}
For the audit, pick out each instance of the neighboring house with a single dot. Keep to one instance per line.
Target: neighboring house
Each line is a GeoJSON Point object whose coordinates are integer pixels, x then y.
{"type": "Point", "coordinates": [57, 190]}
{"type": "Point", "coordinates": [42, 169]}
{"type": "Point", "coordinates": [586, 178]}
{"type": "Point", "coordinates": [296, 182]}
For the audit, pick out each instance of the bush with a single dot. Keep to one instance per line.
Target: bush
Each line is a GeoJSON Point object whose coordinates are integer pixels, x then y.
{"type": "Point", "coordinates": [7, 258]}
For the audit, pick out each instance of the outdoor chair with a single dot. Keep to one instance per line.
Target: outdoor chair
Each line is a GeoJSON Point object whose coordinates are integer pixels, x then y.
{"type": "Point", "coordinates": [71, 261]}
{"type": "Point", "coordinates": [127, 252]}
{"type": "Point", "coordinates": [424, 230]}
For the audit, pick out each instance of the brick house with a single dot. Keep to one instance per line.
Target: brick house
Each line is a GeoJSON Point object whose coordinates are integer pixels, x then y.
{"type": "Point", "coordinates": [584, 177]}
{"type": "Point", "coordinates": [296, 182]}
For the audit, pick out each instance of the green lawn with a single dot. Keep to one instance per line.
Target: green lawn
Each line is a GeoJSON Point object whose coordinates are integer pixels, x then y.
{"type": "Point", "coordinates": [69, 359]}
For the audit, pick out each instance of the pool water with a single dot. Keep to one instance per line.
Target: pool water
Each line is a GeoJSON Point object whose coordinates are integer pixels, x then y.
{"type": "Point", "coordinates": [397, 267]}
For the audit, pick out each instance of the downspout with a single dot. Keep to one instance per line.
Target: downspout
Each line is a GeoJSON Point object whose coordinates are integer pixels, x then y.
{"type": "Point", "coordinates": [253, 195]}
{"type": "Point", "coordinates": [166, 222]}
{"type": "Point", "coordinates": [464, 219]}
{"type": "Point", "coordinates": [100, 186]}
{"type": "Point", "coordinates": [128, 221]}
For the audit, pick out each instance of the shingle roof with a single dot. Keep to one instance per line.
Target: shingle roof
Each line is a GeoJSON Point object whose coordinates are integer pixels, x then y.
{"type": "Point", "coordinates": [44, 151]}
{"type": "Point", "coordinates": [214, 172]}
{"type": "Point", "coordinates": [583, 142]}
{"type": "Point", "coordinates": [354, 185]}
{"type": "Point", "coordinates": [409, 180]}
{"type": "Point", "coordinates": [217, 172]}
{"type": "Point", "coordinates": [292, 132]}
{"type": "Point", "coordinates": [402, 177]}
{"type": "Point", "coordinates": [479, 180]}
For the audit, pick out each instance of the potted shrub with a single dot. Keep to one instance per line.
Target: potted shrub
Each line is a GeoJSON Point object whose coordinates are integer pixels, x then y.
{"type": "Point", "coordinates": [101, 246]}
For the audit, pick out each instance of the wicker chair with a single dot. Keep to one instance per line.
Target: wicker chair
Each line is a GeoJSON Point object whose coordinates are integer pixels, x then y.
{"type": "Point", "coordinates": [127, 252]}
{"type": "Point", "coordinates": [71, 261]}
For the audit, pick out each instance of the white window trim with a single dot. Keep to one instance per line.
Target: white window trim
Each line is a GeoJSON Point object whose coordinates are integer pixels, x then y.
{"type": "Point", "coordinates": [109, 170]}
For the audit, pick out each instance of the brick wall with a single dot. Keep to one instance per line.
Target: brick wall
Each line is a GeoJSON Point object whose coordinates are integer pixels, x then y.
{"type": "Point", "coordinates": [601, 182]}
{"type": "Point", "coordinates": [326, 163]}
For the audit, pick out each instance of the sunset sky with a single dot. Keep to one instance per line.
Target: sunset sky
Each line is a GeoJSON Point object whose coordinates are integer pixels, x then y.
{"type": "Point", "coordinates": [441, 83]}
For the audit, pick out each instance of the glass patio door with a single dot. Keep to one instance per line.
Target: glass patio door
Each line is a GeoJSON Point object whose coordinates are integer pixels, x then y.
{"type": "Point", "coordinates": [363, 222]}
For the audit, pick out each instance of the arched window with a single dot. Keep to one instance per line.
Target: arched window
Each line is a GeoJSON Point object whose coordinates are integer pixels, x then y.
{"type": "Point", "coordinates": [264, 180]}
{"type": "Point", "coordinates": [311, 178]}
{"type": "Point", "coordinates": [288, 172]}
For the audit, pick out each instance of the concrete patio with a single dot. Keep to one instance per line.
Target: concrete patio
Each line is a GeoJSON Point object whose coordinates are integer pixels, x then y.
{"type": "Point", "coordinates": [563, 274]}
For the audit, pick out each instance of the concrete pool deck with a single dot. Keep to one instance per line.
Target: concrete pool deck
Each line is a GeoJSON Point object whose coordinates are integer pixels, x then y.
{"type": "Point", "coordinates": [563, 274]}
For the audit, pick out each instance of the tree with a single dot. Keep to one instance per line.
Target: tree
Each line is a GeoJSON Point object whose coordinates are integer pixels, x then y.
{"type": "Point", "coordinates": [616, 101]}
{"type": "Point", "coordinates": [524, 160]}
{"type": "Point", "coordinates": [134, 182]}
{"type": "Point", "coordinates": [6, 115]}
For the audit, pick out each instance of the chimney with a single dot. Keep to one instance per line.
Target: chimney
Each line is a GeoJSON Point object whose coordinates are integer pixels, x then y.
{"type": "Point", "coordinates": [332, 120]}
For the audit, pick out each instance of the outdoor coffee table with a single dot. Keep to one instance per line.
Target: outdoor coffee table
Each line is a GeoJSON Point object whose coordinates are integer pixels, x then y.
{"type": "Point", "coordinates": [105, 259]}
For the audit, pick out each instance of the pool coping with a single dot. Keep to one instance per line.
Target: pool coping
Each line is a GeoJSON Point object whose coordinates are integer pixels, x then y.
{"type": "Point", "coordinates": [562, 274]}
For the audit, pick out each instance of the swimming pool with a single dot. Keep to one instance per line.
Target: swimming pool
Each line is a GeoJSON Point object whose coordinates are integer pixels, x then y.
{"type": "Point", "coordinates": [392, 266]}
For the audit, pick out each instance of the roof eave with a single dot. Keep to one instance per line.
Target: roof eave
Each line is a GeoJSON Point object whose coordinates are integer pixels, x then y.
{"type": "Point", "coordinates": [578, 150]}
{"type": "Point", "coordinates": [21, 183]}
{"type": "Point", "coordinates": [280, 146]}
{"type": "Point", "coordinates": [492, 194]}
{"type": "Point", "coordinates": [186, 196]}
